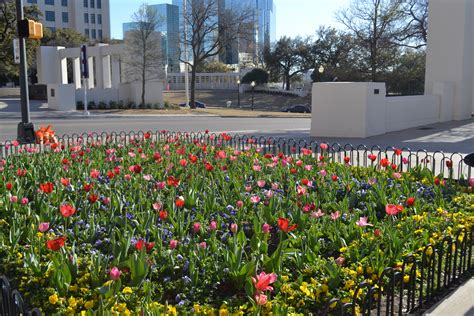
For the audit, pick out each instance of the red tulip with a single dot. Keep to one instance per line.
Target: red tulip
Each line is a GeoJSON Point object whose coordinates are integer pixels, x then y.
{"type": "Point", "coordinates": [149, 246]}
{"type": "Point", "coordinates": [163, 214]}
{"type": "Point", "coordinates": [67, 210]}
{"type": "Point", "coordinates": [179, 202]}
{"type": "Point", "coordinates": [410, 201]}
{"type": "Point", "coordinates": [392, 209]}
{"type": "Point", "coordinates": [372, 157]}
{"type": "Point", "coordinates": [449, 164]}
{"type": "Point", "coordinates": [384, 162]}
{"type": "Point", "coordinates": [47, 187]}
{"type": "Point", "coordinates": [8, 186]}
{"type": "Point", "coordinates": [93, 198]}
{"type": "Point", "coordinates": [347, 159]}
{"type": "Point", "coordinates": [172, 181]}
{"type": "Point", "coordinates": [283, 223]}
{"type": "Point", "coordinates": [263, 280]}
{"type": "Point", "coordinates": [139, 244]}
{"type": "Point", "coordinates": [65, 181]}
{"type": "Point", "coordinates": [377, 232]}
{"type": "Point", "coordinates": [56, 244]}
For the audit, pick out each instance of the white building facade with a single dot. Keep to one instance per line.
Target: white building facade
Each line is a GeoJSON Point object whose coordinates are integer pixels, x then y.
{"type": "Point", "coordinates": [88, 17]}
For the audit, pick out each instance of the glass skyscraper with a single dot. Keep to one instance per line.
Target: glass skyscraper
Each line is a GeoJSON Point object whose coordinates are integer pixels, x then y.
{"type": "Point", "coordinates": [169, 28]}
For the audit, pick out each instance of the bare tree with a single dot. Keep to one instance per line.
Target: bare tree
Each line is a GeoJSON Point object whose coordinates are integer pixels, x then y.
{"type": "Point", "coordinates": [143, 47]}
{"type": "Point", "coordinates": [376, 24]}
{"type": "Point", "coordinates": [210, 29]}
{"type": "Point", "coordinates": [415, 34]}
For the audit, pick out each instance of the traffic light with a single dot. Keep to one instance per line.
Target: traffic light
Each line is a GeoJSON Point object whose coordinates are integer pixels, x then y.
{"type": "Point", "coordinates": [30, 29]}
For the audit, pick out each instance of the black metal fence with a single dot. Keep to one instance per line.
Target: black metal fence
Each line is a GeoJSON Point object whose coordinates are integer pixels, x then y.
{"type": "Point", "coordinates": [421, 280]}
{"type": "Point", "coordinates": [440, 163]}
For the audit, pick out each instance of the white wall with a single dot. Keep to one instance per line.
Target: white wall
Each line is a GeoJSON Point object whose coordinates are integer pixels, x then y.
{"type": "Point", "coordinates": [411, 111]}
{"type": "Point", "coordinates": [354, 109]}
{"type": "Point", "coordinates": [59, 97]}
{"type": "Point", "coordinates": [449, 55]}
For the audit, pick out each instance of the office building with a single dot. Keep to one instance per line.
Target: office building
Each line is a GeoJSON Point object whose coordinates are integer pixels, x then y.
{"type": "Point", "coordinates": [168, 26]}
{"type": "Point", "coordinates": [89, 17]}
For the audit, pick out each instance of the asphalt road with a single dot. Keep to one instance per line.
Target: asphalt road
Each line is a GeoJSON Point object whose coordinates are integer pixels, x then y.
{"type": "Point", "coordinates": [284, 127]}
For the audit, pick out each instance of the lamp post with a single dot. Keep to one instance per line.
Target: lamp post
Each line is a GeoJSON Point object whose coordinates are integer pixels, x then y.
{"type": "Point", "coordinates": [321, 71]}
{"type": "Point", "coordinates": [253, 88]}
{"type": "Point", "coordinates": [238, 93]}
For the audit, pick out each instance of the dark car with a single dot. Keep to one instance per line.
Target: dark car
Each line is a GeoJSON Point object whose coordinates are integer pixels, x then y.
{"type": "Point", "coordinates": [198, 104]}
{"type": "Point", "coordinates": [297, 108]}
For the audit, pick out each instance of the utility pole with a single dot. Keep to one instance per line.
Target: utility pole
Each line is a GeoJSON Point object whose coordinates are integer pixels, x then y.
{"type": "Point", "coordinates": [186, 72]}
{"type": "Point", "coordinates": [26, 129]}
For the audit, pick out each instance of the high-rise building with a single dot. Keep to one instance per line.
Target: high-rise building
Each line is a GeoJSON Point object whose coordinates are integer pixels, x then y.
{"type": "Point", "coordinates": [263, 21]}
{"type": "Point", "coordinates": [89, 17]}
{"type": "Point", "coordinates": [168, 26]}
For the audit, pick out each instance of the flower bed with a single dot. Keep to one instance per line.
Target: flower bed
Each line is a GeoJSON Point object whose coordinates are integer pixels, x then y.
{"type": "Point", "coordinates": [187, 227]}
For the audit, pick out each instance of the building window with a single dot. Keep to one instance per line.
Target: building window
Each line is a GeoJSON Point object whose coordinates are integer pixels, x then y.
{"type": "Point", "coordinates": [93, 18]}
{"type": "Point", "coordinates": [99, 34]}
{"type": "Point", "coordinates": [49, 16]}
{"type": "Point", "coordinates": [92, 4]}
{"type": "Point", "coordinates": [99, 4]}
{"type": "Point", "coordinates": [93, 34]}
{"type": "Point", "coordinates": [86, 31]}
{"type": "Point", "coordinates": [86, 18]}
{"type": "Point", "coordinates": [32, 1]}
{"type": "Point", "coordinates": [49, 2]}
{"type": "Point", "coordinates": [99, 18]}
{"type": "Point", "coordinates": [64, 3]}
{"type": "Point", "coordinates": [86, 3]}
{"type": "Point", "coordinates": [65, 17]}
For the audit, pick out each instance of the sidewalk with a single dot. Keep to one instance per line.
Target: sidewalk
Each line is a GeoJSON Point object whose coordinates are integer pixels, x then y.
{"type": "Point", "coordinates": [458, 303]}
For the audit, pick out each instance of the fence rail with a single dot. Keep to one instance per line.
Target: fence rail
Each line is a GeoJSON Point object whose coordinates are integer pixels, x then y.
{"type": "Point", "coordinates": [420, 281]}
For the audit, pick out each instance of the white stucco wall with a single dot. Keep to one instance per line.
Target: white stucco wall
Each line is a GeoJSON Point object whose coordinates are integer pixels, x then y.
{"type": "Point", "coordinates": [411, 111]}
{"type": "Point", "coordinates": [450, 52]}
{"type": "Point", "coordinates": [348, 109]}
{"type": "Point", "coordinates": [354, 109]}
{"type": "Point", "coordinates": [59, 97]}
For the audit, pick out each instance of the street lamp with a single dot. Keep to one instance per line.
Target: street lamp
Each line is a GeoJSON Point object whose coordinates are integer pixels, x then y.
{"type": "Point", "coordinates": [253, 88]}
{"type": "Point", "coordinates": [321, 70]}
{"type": "Point", "coordinates": [238, 92]}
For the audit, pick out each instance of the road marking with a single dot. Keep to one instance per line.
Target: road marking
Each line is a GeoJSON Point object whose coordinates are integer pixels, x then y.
{"type": "Point", "coordinates": [3, 105]}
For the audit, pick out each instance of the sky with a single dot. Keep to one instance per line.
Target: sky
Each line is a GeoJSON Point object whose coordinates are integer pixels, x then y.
{"type": "Point", "coordinates": [294, 17]}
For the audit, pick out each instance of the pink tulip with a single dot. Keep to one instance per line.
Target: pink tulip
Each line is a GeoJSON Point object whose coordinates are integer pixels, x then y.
{"type": "Point", "coordinates": [115, 273]}
{"type": "Point", "coordinates": [157, 206]}
{"type": "Point", "coordinates": [43, 227]}
{"type": "Point", "coordinates": [24, 201]}
{"type": "Point", "coordinates": [239, 204]}
{"type": "Point", "coordinates": [340, 261]}
{"type": "Point", "coordinates": [266, 228]}
{"type": "Point", "coordinates": [323, 146]}
{"type": "Point", "coordinates": [197, 227]}
{"type": "Point", "coordinates": [213, 226]}
{"type": "Point", "coordinates": [202, 245]}
{"type": "Point", "coordinates": [255, 199]}
{"type": "Point", "coordinates": [14, 199]}
{"type": "Point", "coordinates": [317, 214]}
{"type": "Point", "coordinates": [471, 182]}
{"type": "Point", "coordinates": [323, 173]}
{"type": "Point", "coordinates": [173, 244]}
{"type": "Point", "coordinates": [261, 299]}
{"type": "Point", "coordinates": [106, 200]}
{"type": "Point", "coordinates": [335, 215]}
{"type": "Point", "coordinates": [363, 221]}
{"type": "Point", "coordinates": [261, 183]}
{"type": "Point", "coordinates": [234, 227]}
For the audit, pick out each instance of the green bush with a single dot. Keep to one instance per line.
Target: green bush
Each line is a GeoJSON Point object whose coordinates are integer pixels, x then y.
{"type": "Point", "coordinates": [80, 106]}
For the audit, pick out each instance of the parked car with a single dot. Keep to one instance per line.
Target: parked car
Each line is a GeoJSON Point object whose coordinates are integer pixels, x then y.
{"type": "Point", "coordinates": [297, 108]}
{"type": "Point", "coordinates": [198, 104]}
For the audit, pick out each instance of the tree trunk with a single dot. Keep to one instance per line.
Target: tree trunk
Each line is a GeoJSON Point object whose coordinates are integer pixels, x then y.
{"type": "Point", "coordinates": [287, 78]}
{"type": "Point", "coordinates": [143, 77]}
{"type": "Point", "coordinates": [192, 105]}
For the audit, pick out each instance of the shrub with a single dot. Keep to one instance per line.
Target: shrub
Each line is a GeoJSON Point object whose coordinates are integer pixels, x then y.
{"type": "Point", "coordinates": [260, 76]}
{"type": "Point", "coordinates": [80, 106]}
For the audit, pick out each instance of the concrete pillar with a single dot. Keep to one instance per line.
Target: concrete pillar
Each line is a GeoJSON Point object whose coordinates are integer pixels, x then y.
{"type": "Point", "coordinates": [106, 72]}
{"type": "Point", "coordinates": [115, 72]}
{"type": "Point", "coordinates": [76, 69]}
{"type": "Point", "coordinates": [48, 65]}
{"type": "Point", "coordinates": [450, 52]}
{"type": "Point", "coordinates": [63, 70]}
{"type": "Point", "coordinates": [90, 84]}
{"type": "Point", "coordinates": [99, 78]}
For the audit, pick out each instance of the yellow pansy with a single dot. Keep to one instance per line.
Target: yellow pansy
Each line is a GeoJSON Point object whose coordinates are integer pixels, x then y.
{"type": "Point", "coordinates": [127, 290]}
{"type": "Point", "coordinates": [53, 299]}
